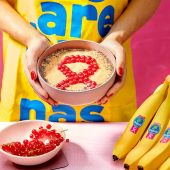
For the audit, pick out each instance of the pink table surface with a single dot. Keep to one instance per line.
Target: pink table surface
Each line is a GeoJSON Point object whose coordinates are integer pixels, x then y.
{"type": "Point", "coordinates": [90, 146]}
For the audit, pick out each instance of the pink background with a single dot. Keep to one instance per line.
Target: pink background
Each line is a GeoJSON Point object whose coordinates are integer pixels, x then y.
{"type": "Point", "coordinates": [150, 45]}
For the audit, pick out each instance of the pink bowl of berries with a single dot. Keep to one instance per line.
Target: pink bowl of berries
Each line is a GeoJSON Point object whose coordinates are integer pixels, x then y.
{"type": "Point", "coordinates": [76, 72]}
{"type": "Point", "coordinates": [31, 142]}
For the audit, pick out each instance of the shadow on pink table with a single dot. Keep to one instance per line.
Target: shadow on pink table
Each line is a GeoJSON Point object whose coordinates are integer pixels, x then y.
{"type": "Point", "coordinates": [91, 146]}
{"type": "Point", "coordinates": [58, 162]}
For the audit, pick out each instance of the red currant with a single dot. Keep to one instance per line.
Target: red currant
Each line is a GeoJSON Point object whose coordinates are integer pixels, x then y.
{"type": "Point", "coordinates": [48, 126]}
{"type": "Point", "coordinates": [65, 72]}
{"type": "Point", "coordinates": [74, 81]}
{"type": "Point", "coordinates": [25, 142]}
{"type": "Point", "coordinates": [31, 136]}
{"type": "Point", "coordinates": [71, 82]}
{"type": "Point", "coordinates": [61, 139]}
{"type": "Point", "coordinates": [41, 127]}
{"type": "Point", "coordinates": [90, 72]}
{"type": "Point", "coordinates": [73, 60]}
{"type": "Point", "coordinates": [34, 132]}
{"type": "Point", "coordinates": [88, 61]}
{"type": "Point", "coordinates": [94, 83]}
{"type": "Point", "coordinates": [57, 135]}
{"type": "Point", "coordinates": [58, 85]}
{"type": "Point", "coordinates": [66, 57]}
{"type": "Point", "coordinates": [62, 88]}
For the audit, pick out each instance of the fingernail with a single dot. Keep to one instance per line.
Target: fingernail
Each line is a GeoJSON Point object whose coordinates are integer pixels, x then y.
{"type": "Point", "coordinates": [120, 71]}
{"type": "Point", "coordinates": [110, 95]}
{"type": "Point", "coordinates": [46, 96]}
{"type": "Point", "coordinates": [52, 103]}
{"type": "Point", "coordinates": [105, 102]}
{"type": "Point", "coordinates": [56, 103]}
{"type": "Point", "coordinates": [33, 75]}
{"type": "Point", "coordinates": [98, 101]}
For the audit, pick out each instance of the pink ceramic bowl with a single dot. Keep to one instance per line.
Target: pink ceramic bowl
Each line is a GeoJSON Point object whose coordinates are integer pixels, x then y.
{"type": "Point", "coordinates": [20, 131]}
{"type": "Point", "coordinates": [77, 97]}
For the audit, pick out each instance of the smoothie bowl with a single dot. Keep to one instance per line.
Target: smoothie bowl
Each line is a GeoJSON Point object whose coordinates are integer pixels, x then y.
{"type": "Point", "coordinates": [76, 72]}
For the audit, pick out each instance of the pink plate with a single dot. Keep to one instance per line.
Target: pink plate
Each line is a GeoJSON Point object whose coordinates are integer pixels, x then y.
{"type": "Point", "coordinates": [20, 131]}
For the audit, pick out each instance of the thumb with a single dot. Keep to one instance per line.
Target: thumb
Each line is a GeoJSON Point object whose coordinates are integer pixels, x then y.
{"type": "Point", "coordinates": [120, 61]}
{"type": "Point", "coordinates": [119, 53]}
{"type": "Point", "coordinates": [31, 62]}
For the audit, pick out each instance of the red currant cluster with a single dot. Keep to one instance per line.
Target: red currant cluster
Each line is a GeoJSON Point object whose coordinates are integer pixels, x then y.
{"type": "Point", "coordinates": [73, 77]}
{"type": "Point", "coordinates": [42, 141]}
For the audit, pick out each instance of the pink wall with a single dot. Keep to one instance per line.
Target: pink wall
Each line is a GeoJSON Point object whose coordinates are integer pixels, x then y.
{"type": "Point", "coordinates": [151, 59]}
{"type": "Point", "coordinates": [151, 56]}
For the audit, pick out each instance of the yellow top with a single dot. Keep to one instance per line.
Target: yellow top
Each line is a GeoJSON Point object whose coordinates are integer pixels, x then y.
{"type": "Point", "coordinates": [63, 20]}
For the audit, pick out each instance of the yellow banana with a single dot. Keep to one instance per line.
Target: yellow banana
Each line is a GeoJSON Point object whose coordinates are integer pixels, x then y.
{"type": "Point", "coordinates": [159, 153]}
{"type": "Point", "coordinates": [151, 136]}
{"type": "Point", "coordinates": [139, 122]}
{"type": "Point", "coordinates": [165, 165]}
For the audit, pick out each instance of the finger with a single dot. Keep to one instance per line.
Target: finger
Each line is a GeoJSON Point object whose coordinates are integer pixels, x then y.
{"type": "Point", "coordinates": [43, 95]}
{"type": "Point", "coordinates": [39, 90]}
{"type": "Point", "coordinates": [32, 55]}
{"type": "Point", "coordinates": [120, 56]}
{"type": "Point", "coordinates": [103, 100]}
{"type": "Point", "coordinates": [36, 85]}
{"type": "Point", "coordinates": [49, 100]}
{"type": "Point", "coordinates": [117, 86]}
{"type": "Point", "coordinates": [31, 59]}
{"type": "Point", "coordinates": [120, 62]}
{"type": "Point", "coordinates": [119, 53]}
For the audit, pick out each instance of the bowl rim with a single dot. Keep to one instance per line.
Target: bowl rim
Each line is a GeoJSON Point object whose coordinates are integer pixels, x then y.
{"type": "Point", "coordinates": [77, 91]}
{"type": "Point", "coordinates": [31, 157]}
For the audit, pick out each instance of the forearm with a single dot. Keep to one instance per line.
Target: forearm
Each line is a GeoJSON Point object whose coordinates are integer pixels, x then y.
{"type": "Point", "coordinates": [135, 16]}
{"type": "Point", "coordinates": [12, 23]}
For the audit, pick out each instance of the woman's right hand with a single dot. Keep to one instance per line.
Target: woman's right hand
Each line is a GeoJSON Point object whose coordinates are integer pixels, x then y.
{"type": "Point", "coordinates": [36, 46]}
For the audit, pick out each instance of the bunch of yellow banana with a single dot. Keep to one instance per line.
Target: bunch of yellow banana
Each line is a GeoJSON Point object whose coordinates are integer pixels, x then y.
{"type": "Point", "coordinates": [145, 130]}
{"type": "Point", "coordinates": [151, 136]}
{"type": "Point", "coordinates": [139, 122]}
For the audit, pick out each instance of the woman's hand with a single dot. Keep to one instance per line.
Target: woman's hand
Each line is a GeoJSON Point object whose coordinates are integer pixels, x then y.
{"type": "Point", "coordinates": [117, 49]}
{"type": "Point", "coordinates": [36, 47]}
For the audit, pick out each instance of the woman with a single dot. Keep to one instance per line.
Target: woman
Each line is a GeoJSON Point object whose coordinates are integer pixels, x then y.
{"type": "Point", "coordinates": [31, 26]}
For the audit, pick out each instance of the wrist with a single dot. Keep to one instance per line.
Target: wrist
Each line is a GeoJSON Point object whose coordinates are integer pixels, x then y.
{"type": "Point", "coordinates": [117, 36]}
{"type": "Point", "coordinates": [36, 39]}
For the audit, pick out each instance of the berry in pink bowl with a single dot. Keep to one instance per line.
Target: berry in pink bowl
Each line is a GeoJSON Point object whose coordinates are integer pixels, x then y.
{"type": "Point", "coordinates": [34, 143]}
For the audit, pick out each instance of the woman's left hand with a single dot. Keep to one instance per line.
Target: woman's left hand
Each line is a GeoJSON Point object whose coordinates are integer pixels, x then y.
{"type": "Point", "coordinates": [119, 52]}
